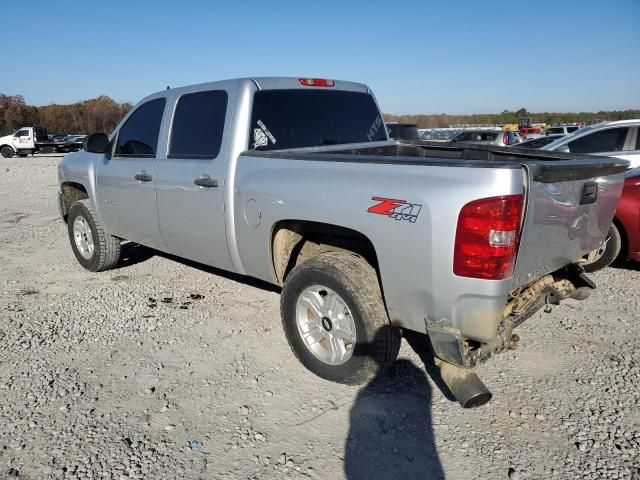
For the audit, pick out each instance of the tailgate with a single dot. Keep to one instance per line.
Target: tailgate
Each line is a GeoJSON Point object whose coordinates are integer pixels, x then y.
{"type": "Point", "coordinates": [570, 207]}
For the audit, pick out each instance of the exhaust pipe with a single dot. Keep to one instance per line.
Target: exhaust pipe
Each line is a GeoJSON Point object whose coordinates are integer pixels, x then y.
{"type": "Point", "coordinates": [465, 385]}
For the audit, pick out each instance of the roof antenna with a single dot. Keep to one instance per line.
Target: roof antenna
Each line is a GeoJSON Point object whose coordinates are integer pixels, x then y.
{"type": "Point", "coordinates": [167, 87]}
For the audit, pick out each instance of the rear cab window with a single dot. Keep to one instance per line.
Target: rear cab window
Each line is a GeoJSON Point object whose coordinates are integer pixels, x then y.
{"type": "Point", "coordinates": [138, 137]}
{"type": "Point", "coordinates": [198, 125]}
{"type": "Point", "coordinates": [310, 118]}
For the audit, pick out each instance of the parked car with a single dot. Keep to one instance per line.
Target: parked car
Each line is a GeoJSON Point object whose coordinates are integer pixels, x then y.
{"type": "Point", "coordinates": [613, 139]}
{"type": "Point", "coordinates": [561, 130]}
{"type": "Point", "coordinates": [538, 142]}
{"type": "Point", "coordinates": [27, 140]}
{"type": "Point", "coordinates": [72, 143]}
{"type": "Point", "coordinates": [295, 182]}
{"type": "Point", "coordinates": [403, 131]}
{"type": "Point", "coordinates": [623, 240]}
{"type": "Point", "coordinates": [488, 137]}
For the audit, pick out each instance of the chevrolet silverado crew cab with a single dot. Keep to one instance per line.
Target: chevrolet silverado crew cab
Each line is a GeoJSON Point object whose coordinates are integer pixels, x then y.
{"type": "Point", "coordinates": [295, 182]}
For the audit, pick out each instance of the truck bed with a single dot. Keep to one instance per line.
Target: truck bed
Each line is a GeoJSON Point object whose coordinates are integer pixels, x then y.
{"type": "Point", "coordinates": [558, 226]}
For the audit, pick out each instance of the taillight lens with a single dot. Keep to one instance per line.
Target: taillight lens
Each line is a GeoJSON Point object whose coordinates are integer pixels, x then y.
{"type": "Point", "coordinates": [487, 237]}
{"type": "Point", "coordinates": [316, 82]}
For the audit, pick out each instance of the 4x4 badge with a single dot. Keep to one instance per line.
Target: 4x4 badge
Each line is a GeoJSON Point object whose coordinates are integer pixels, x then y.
{"type": "Point", "coordinates": [396, 209]}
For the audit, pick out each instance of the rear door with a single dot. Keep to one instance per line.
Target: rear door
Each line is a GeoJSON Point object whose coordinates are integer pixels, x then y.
{"type": "Point", "coordinates": [191, 178]}
{"type": "Point", "coordinates": [126, 177]}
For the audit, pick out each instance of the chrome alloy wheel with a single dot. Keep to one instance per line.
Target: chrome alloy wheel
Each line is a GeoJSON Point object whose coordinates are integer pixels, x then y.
{"type": "Point", "coordinates": [83, 237]}
{"type": "Point", "coordinates": [326, 325]}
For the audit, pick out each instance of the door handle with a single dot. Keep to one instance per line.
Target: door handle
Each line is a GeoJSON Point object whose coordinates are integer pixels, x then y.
{"type": "Point", "coordinates": [206, 181]}
{"type": "Point", "coordinates": [143, 176]}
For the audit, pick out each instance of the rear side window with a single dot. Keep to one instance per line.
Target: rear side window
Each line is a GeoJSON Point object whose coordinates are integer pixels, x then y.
{"type": "Point", "coordinates": [609, 140]}
{"type": "Point", "coordinates": [198, 124]}
{"type": "Point", "coordinates": [638, 138]}
{"type": "Point", "coordinates": [572, 129]}
{"type": "Point", "coordinates": [138, 137]}
{"type": "Point", "coordinates": [309, 118]}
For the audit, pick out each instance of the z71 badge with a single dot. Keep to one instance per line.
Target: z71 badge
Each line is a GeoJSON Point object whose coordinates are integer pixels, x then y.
{"type": "Point", "coordinates": [396, 209]}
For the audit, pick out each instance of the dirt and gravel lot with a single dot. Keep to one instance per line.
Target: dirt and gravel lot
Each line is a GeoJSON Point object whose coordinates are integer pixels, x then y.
{"type": "Point", "coordinates": [166, 369]}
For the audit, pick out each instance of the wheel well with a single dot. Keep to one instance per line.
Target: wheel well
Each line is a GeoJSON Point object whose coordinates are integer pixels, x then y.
{"type": "Point", "coordinates": [624, 247]}
{"type": "Point", "coordinates": [294, 242]}
{"type": "Point", "coordinates": [7, 145]}
{"type": "Point", "coordinates": [71, 192]}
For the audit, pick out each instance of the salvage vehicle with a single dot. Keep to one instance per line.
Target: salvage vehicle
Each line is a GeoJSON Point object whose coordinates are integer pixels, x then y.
{"type": "Point", "coordinates": [27, 140]}
{"type": "Point", "coordinates": [619, 139]}
{"type": "Point", "coordinates": [488, 137]}
{"type": "Point", "coordinates": [623, 240]}
{"type": "Point", "coordinates": [294, 181]}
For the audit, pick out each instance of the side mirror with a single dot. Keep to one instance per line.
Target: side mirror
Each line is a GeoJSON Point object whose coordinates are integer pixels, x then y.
{"type": "Point", "coordinates": [564, 149]}
{"type": "Point", "coordinates": [96, 143]}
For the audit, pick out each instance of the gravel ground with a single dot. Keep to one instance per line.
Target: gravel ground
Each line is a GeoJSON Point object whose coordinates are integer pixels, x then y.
{"type": "Point", "coordinates": [166, 369]}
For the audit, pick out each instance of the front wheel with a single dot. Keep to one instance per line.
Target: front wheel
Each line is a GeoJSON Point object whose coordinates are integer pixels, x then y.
{"type": "Point", "coordinates": [94, 249]}
{"type": "Point", "coordinates": [335, 320]}
{"type": "Point", "coordinates": [6, 152]}
{"type": "Point", "coordinates": [608, 251]}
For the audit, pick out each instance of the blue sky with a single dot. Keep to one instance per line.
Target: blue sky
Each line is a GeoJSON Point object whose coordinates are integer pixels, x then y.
{"type": "Point", "coordinates": [418, 56]}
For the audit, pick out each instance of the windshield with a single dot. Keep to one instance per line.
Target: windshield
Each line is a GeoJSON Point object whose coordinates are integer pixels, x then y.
{"type": "Point", "coordinates": [310, 118]}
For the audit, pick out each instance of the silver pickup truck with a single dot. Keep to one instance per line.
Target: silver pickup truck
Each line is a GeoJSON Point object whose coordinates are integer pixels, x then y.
{"type": "Point", "coordinates": [295, 182]}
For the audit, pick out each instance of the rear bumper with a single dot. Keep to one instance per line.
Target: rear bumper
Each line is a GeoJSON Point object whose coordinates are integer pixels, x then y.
{"type": "Point", "coordinates": [451, 345]}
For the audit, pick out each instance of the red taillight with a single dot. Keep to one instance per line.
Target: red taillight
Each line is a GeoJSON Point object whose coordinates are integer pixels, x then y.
{"type": "Point", "coordinates": [487, 237]}
{"type": "Point", "coordinates": [316, 82]}
{"type": "Point", "coordinates": [505, 138]}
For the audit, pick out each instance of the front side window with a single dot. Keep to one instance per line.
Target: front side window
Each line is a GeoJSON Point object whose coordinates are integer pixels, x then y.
{"type": "Point", "coordinates": [22, 133]}
{"type": "Point", "coordinates": [572, 129]}
{"type": "Point", "coordinates": [609, 140]}
{"type": "Point", "coordinates": [638, 138]}
{"type": "Point", "coordinates": [198, 124]}
{"type": "Point", "coordinates": [138, 137]}
{"type": "Point", "coordinates": [310, 118]}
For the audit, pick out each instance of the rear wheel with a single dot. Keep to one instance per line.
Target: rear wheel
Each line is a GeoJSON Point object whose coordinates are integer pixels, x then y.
{"type": "Point", "coordinates": [6, 152]}
{"type": "Point", "coordinates": [335, 320]}
{"type": "Point", "coordinates": [608, 251]}
{"type": "Point", "coordinates": [94, 249]}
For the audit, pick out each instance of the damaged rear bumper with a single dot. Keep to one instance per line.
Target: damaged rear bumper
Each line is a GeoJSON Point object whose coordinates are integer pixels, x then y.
{"type": "Point", "coordinates": [449, 344]}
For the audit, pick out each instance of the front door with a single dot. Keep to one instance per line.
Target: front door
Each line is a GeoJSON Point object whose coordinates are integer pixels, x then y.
{"type": "Point", "coordinates": [126, 178]}
{"type": "Point", "coordinates": [191, 178]}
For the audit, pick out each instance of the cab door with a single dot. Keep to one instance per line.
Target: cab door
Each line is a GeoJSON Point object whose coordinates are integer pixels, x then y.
{"type": "Point", "coordinates": [191, 177]}
{"type": "Point", "coordinates": [126, 177]}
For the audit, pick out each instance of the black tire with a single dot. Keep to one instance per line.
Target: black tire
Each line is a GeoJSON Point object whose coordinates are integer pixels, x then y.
{"type": "Point", "coordinates": [106, 252]}
{"type": "Point", "coordinates": [610, 254]}
{"type": "Point", "coordinates": [356, 282]}
{"type": "Point", "coordinates": [6, 152]}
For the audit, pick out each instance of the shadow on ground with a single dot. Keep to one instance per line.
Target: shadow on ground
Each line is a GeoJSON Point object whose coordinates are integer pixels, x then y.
{"type": "Point", "coordinates": [391, 432]}
{"type": "Point", "coordinates": [132, 253]}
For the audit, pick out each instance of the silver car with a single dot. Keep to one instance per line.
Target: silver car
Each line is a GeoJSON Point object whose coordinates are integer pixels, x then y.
{"type": "Point", "coordinates": [613, 139]}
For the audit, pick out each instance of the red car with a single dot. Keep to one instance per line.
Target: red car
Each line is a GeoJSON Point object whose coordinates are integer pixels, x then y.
{"type": "Point", "coordinates": [623, 241]}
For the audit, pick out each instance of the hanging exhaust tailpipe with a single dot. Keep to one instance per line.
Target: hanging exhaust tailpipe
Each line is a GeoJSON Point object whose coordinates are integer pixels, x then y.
{"type": "Point", "coordinates": [465, 385]}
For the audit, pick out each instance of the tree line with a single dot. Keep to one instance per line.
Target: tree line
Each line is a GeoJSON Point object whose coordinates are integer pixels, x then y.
{"type": "Point", "coordinates": [89, 116]}
{"type": "Point", "coordinates": [103, 113]}
{"type": "Point", "coordinates": [443, 120]}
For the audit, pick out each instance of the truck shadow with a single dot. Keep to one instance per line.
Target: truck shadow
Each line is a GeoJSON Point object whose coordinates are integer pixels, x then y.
{"type": "Point", "coordinates": [391, 432]}
{"type": "Point", "coordinates": [132, 253]}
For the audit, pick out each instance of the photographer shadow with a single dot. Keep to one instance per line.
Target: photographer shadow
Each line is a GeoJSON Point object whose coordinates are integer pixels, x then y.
{"type": "Point", "coordinates": [391, 431]}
